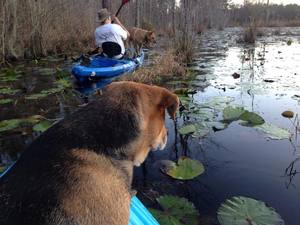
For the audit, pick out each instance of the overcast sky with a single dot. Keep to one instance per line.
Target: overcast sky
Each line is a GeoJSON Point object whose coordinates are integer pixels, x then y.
{"type": "Point", "coordinates": [272, 1]}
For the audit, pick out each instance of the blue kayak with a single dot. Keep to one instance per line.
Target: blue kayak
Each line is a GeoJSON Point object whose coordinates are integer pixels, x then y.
{"type": "Point", "coordinates": [101, 67]}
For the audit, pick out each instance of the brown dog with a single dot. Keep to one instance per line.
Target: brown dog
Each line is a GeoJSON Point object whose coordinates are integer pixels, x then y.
{"type": "Point", "coordinates": [139, 37]}
{"type": "Point", "coordinates": [80, 170]}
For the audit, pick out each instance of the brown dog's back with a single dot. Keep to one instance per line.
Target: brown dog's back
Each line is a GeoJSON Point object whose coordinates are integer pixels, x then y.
{"type": "Point", "coordinates": [139, 37]}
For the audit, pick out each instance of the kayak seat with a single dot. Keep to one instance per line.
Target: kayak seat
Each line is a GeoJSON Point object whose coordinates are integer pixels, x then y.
{"type": "Point", "coordinates": [111, 49]}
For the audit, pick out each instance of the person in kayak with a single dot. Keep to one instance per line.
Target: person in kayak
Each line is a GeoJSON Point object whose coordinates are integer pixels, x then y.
{"type": "Point", "coordinates": [110, 35]}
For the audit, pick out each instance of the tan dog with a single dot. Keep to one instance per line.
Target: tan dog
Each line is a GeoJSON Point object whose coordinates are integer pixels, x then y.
{"type": "Point", "coordinates": [80, 170]}
{"type": "Point", "coordinates": [139, 37]}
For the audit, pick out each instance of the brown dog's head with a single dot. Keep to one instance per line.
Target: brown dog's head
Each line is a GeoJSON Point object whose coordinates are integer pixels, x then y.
{"type": "Point", "coordinates": [150, 37]}
{"type": "Point", "coordinates": [150, 104]}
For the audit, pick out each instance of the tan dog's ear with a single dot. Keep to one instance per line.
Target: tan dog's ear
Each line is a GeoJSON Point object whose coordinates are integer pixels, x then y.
{"type": "Point", "coordinates": [170, 102]}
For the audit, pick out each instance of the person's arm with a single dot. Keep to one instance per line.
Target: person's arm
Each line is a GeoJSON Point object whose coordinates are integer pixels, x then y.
{"type": "Point", "coordinates": [117, 21]}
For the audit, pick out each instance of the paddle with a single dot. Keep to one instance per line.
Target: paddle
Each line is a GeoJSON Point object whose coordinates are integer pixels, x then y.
{"type": "Point", "coordinates": [124, 2]}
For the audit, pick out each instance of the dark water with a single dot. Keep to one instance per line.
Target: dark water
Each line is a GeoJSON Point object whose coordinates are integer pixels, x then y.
{"type": "Point", "coordinates": [238, 160]}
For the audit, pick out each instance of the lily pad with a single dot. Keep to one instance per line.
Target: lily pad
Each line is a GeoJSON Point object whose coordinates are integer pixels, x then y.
{"type": "Point", "coordinates": [8, 91]}
{"type": "Point", "coordinates": [218, 103]}
{"type": "Point", "coordinates": [42, 126]}
{"type": "Point", "coordinates": [252, 118]}
{"type": "Point", "coordinates": [5, 101]}
{"type": "Point", "coordinates": [246, 211]}
{"type": "Point", "coordinates": [187, 129]}
{"type": "Point", "coordinates": [45, 93]}
{"type": "Point", "coordinates": [202, 130]}
{"type": "Point", "coordinates": [7, 125]}
{"type": "Point", "coordinates": [274, 132]}
{"type": "Point", "coordinates": [46, 71]}
{"type": "Point", "coordinates": [217, 126]}
{"type": "Point", "coordinates": [176, 211]}
{"type": "Point", "coordinates": [232, 113]}
{"type": "Point", "coordinates": [64, 83]}
{"type": "Point", "coordinates": [185, 169]}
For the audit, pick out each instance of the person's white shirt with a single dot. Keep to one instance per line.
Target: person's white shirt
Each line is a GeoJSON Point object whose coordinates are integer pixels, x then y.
{"type": "Point", "coordinates": [110, 32]}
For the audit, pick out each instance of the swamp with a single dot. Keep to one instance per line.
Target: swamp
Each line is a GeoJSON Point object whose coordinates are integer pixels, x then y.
{"type": "Point", "coordinates": [233, 152]}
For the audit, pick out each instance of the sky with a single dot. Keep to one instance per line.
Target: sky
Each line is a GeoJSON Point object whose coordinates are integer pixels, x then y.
{"type": "Point", "coordinates": [272, 1]}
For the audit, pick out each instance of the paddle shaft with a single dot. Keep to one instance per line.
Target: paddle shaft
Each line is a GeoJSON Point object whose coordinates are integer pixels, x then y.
{"type": "Point", "coordinates": [121, 6]}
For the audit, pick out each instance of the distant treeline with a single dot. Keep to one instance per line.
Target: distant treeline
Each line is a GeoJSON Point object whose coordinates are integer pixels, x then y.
{"type": "Point", "coordinates": [265, 15]}
{"type": "Point", "coordinates": [31, 28]}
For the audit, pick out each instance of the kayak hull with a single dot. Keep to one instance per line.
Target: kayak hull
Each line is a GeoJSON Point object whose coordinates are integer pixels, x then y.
{"type": "Point", "coordinates": [101, 67]}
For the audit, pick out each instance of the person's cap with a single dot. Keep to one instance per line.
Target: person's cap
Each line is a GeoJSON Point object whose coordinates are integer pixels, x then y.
{"type": "Point", "coordinates": [102, 15]}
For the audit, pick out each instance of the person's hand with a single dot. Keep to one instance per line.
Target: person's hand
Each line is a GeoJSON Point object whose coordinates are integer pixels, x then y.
{"type": "Point", "coordinates": [115, 19]}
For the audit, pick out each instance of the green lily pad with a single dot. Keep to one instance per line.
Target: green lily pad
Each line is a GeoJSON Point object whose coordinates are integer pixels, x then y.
{"type": "Point", "coordinates": [232, 113]}
{"type": "Point", "coordinates": [64, 83]}
{"type": "Point", "coordinates": [217, 126]}
{"type": "Point", "coordinates": [246, 211]}
{"type": "Point", "coordinates": [61, 73]}
{"type": "Point", "coordinates": [218, 103]}
{"type": "Point", "coordinates": [187, 129]}
{"type": "Point", "coordinates": [5, 101]}
{"type": "Point", "coordinates": [201, 130]}
{"type": "Point", "coordinates": [8, 91]}
{"type": "Point", "coordinates": [252, 118]}
{"type": "Point", "coordinates": [45, 93]}
{"type": "Point", "coordinates": [7, 125]}
{"type": "Point", "coordinates": [184, 91]}
{"type": "Point", "coordinates": [42, 126]}
{"type": "Point", "coordinates": [10, 75]}
{"type": "Point", "coordinates": [176, 211]}
{"type": "Point", "coordinates": [274, 132]}
{"type": "Point", "coordinates": [185, 169]}
{"type": "Point", "coordinates": [46, 71]}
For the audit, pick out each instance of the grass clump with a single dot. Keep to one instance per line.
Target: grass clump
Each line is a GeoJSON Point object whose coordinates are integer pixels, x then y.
{"type": "Point", "coordinates": [165, 66]}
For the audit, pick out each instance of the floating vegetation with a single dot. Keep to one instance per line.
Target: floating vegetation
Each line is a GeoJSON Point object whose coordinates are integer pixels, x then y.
{"type": "Point", "coordinates": [246, 211]}
{"type": "Point", "coordinates": [9, 75]}
{"type": "Point", "coordinates": [187, 129]}
{"type": "Point", "coordinates": [7, 125]}
{"type": "Point", "coordinates": [8, 91]}
{"type": "Point", "coordinates": [46, 71]}
{"type": "Point", "coordinates": [274, 132]}
{"type": "Point", "coordinates": [232, 113]}
{"type": "Point", "coordinates": [288, 114]}
{"type": "Point", "coordinates": [176, 211]}
{"type": "Point", "coordinates": [42, 126]}
{"type": "Point", "coordinates": [252, 119]}
{"type": "Point", "coordinates": [44, 93]}
{"type": "Point", "coordinates": [184, 91]}
{"type": "Point", "coordinates": [6, 101]}
{"type": "Point", "coordinates": [64, 83]}
{"type": "Point", "coordinates": [184, 169]}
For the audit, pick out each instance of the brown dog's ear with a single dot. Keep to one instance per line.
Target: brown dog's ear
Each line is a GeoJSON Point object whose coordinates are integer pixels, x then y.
{"type": "Point", "coordinates": [170, 102]}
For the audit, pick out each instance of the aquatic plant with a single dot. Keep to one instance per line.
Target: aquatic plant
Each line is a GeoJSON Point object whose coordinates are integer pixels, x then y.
{"type": "Point", "coordinates": [274, 132]}
{"type": "Point", "coordinates": [42, 126]}
{"type": "Point", "coordinates": [8, 91]}
{"type": "Point", "coordinates": [247, 211]}
{"type": "Point", "coordinates": [184, 169]}
{"type": "Point", "coordinates": [5, 101]}
{"type": "Point", "coordinates": [9, 75]}
{"type": "Point", "coordinates": [7, 125]}
{"type": "Point", "coordinates": [176, 211]}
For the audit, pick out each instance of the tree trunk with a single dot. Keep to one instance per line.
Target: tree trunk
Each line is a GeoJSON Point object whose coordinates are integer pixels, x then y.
{"type": "Point", "coordinates": [106, 4]}
{"type": "Point", "coordinates": [137, 13]}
